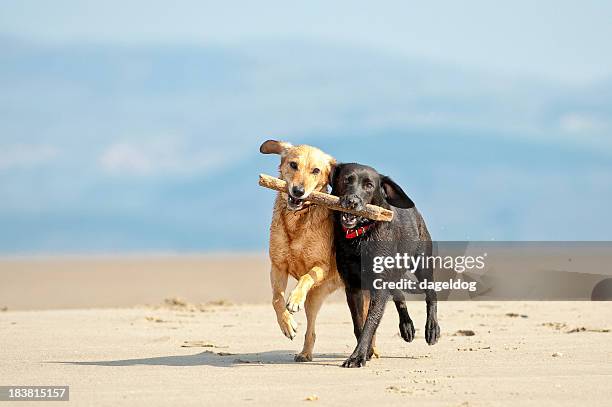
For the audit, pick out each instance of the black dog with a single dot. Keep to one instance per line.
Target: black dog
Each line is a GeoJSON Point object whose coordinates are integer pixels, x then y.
{"type": "Point", "coordinates": [358, 185]}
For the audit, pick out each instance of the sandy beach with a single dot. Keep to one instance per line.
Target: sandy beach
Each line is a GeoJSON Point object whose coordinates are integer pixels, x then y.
{"type": "Point", "coordinates": [213, 349]}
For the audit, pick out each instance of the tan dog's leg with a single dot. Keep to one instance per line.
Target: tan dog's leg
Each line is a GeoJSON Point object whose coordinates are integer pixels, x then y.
{"type": "Point", "coordinates": [278, 280]}
{"type": "Point", "coordinates": [299, 293]}
{"type": "Point", "coordinates": [314, 300]}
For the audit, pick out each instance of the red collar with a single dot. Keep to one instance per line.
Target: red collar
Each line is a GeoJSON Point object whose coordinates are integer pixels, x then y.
{"type": "Point", "coordinates": [353, 233]}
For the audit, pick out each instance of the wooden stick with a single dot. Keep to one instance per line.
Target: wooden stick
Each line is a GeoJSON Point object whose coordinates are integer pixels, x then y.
{"type": "Point", "coordinates": [332, 202]}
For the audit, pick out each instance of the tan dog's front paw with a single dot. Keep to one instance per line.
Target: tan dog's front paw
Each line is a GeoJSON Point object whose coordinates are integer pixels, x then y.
{"type": "Point", "coordinates": [288, 325]}
{"type": "Point", "coordinates": [296, 301]}
{"type": "Point", "coordinates": [303, 357]}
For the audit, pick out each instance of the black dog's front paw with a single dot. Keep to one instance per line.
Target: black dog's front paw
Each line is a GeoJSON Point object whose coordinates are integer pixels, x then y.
{"type": "Point", "coordinates": [355, 360]}
{"type": "Point", "coordinates": [407, 330]}
{"type": "Point", "coordinates": [432, 331]}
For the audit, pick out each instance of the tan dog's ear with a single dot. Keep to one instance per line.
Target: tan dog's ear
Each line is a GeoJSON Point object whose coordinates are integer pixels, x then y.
{"type": "Point", "coordinates": [274, 147]}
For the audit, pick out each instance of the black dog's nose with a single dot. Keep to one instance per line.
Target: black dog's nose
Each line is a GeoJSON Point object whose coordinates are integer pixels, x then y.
{"type": "Point", "coordinates": [350, 202]}
{"type": "Point", "coordinates": [297, 191]}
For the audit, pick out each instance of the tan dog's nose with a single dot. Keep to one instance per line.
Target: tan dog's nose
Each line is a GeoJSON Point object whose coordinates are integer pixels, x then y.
{"type": "Point", "coordinates": [297, 191]}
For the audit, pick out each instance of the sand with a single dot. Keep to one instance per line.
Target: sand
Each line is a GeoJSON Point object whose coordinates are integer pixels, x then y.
{"type": "Point", "coordinates": [521, 353]}
{"type": "Point", "coordinates": [45, 282]}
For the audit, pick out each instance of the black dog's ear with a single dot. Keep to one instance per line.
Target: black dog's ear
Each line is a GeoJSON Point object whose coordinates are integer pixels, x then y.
{"type": "Point", "coordinates": [274, 147]}
{"type": "Point", "coordinates": [394, 194]}
{"type": "Point", "coordinates": [333, 173]}
{"type": "Point", "coordinates": [333, 170]}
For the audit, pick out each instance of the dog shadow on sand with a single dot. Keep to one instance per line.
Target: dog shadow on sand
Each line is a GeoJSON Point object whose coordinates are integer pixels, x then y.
{"type": "Point", "coordinates": [217, 359]}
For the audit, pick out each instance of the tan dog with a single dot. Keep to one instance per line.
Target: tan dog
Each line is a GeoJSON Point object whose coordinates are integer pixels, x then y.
{"type": "Point", "coordinates": [301, 240]}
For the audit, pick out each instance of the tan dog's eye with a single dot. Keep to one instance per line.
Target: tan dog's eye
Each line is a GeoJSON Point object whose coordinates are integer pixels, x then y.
{"type": "Point", "coordinates": [316, 171]}
{"type": "Point", "coordinates": [293, 165]}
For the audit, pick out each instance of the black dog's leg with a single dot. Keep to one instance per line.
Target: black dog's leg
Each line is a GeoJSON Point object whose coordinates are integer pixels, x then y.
{"type": "Point", "coordinates": [432, 329]}
{"type": "Point", "coordinates": [356, 300]}
{"type": "Point", "coordinates": [406, 327]}
{"type": "Point", "coordinates": [378, 301]}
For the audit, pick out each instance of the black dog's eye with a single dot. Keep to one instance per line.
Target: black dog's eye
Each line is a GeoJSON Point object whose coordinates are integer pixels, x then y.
{"type": "Point", "coordinates": [316, 171]}
{"type": "Point", "coordinates": [369, 185]}
{"type": "Point", "coordinates": [293, 165]}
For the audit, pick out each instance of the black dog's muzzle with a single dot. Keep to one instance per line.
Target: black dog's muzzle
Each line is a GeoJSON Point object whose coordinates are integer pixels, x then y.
{"type": "Point", "coordinates": [352, 202]}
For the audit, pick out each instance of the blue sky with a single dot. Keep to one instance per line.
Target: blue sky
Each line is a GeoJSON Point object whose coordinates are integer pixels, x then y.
{"type": "Point", "coordinates": [564, 40]}
{"type": "Point", "coordinates": [117, 120]}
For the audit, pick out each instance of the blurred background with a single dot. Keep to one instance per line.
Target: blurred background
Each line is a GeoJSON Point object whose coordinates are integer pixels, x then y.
{"type": "Point", "coordinates": [135, 126]}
